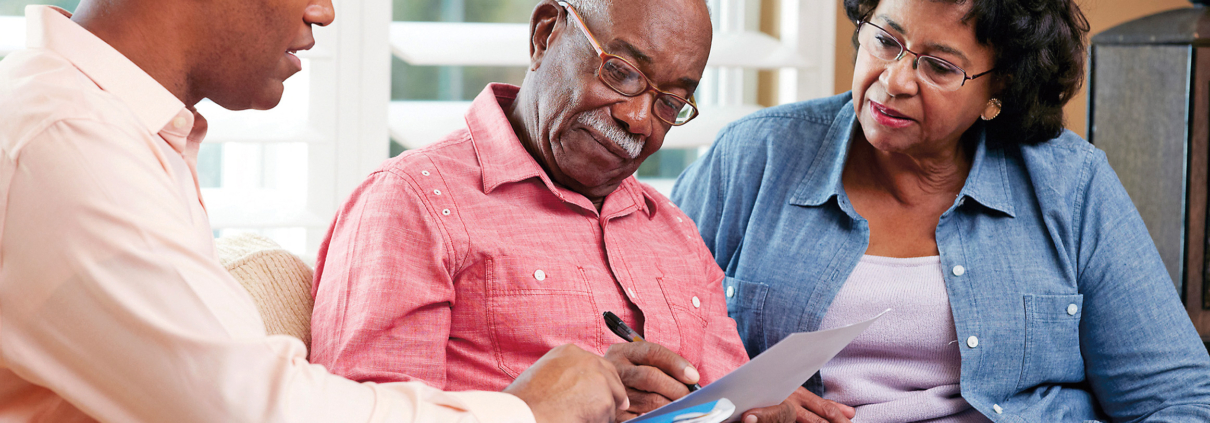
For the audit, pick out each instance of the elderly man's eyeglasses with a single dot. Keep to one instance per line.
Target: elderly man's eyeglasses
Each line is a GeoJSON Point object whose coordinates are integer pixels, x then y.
{"type": "Point", "coordinates": [625, 78]}
{"type": "Point", "coordinates": [933, 70]}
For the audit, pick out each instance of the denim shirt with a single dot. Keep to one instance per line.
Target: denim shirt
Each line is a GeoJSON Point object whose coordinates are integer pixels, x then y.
{"type": "Point", "coordinates": [1062, 307]}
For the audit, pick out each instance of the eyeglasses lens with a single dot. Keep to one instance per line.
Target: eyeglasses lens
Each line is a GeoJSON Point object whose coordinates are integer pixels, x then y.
{"type": "Point", "coordinates": [935, 71]}
{"type": "Point", "coordinates": [627, 80]}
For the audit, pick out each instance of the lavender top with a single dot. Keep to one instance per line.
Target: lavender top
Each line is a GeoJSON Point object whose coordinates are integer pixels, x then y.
{"type": "Point", "coordinates": [906, 366]}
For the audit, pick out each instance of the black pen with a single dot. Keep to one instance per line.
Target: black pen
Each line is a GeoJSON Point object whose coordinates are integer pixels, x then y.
{"type": "Point", "coordinates": [617, 326]}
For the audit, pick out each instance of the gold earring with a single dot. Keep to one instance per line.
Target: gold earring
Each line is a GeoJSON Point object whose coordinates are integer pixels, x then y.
{"type": "Point", "coordinates": [992, 110]}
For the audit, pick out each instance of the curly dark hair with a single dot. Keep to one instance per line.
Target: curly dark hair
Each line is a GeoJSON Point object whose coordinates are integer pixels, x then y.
{"type": "Point", "coordinates": [1040, 53]}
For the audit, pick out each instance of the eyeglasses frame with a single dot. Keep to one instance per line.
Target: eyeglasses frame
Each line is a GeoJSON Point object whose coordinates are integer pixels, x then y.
{"type": "Point", "coordinates": [596, 45]}
{"type": "Point", "coordinates": [915, 63]}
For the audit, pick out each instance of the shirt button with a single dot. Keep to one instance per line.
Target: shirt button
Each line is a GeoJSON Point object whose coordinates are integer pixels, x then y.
{"type": "Point", "coordinates": [959, 270]}
{"type": "Point", "coordinates": [437, 192]}
{"type": "Point", "coordinates": [631, 292]}
{"type": "Point", "coordinates": [540, 275]}
{"type": "Point", "coordinates": [179, 122]}
{"type": "Point", "coordinates": [696, 302]}
{"type": "Point", "coordinates": [424, 172]}
{"type": "Point", "coordinates": [679, 220]}
{"type": "Point", "coordinates": [730, 291]}
{"type": "Point", "coordinates": [997, 409]}
{"type": "Point", "coordinates": [972, 342]}
{"type": "Point", "coordinates": [1072, 309]}
{"type": "Point", "coordinates": [445, 212]}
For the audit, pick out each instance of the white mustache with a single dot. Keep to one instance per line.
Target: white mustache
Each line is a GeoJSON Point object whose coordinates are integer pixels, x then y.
{"type": "Point", "coordinates": [597, 120]}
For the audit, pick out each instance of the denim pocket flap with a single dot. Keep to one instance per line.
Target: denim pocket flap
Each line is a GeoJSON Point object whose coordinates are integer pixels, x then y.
{"type": "Point", "coordinates": [744, 296]}
{"type": "Point", "coordinates": [1054, 308]}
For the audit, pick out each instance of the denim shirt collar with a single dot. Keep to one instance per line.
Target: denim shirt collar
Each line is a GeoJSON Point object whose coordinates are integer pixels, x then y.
{"type": "Point", "coordinates": [986, 184]}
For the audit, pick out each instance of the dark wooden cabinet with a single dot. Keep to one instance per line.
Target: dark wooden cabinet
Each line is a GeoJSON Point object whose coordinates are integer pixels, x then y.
{"type": "Point", "coordinates": [1149, 110]}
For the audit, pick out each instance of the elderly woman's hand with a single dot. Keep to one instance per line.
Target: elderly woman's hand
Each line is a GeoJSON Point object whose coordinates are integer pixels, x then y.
{"type": "Point", "coordinates": [802, 407]}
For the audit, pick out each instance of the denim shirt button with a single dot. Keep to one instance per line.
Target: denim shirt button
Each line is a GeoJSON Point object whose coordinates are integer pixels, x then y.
{"type": "Point", "coordinates": [730, 291]}
{"type": "Point", "coordinates": [997, 409]}
{"type": "Point", "coordinates": [1072, 309]}
{"type": "Point", "coordinates": [959, 270]}
{"type": "Point", "coordinates": [972, 342]}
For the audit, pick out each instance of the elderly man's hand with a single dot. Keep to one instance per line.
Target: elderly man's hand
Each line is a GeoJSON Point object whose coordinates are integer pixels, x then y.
{"type": "Point", "coordinates": [570, 385]}
{"type": "Point", "coordinates": [653, 375]}
{"type": "Point", "coordinates": [802, 407]}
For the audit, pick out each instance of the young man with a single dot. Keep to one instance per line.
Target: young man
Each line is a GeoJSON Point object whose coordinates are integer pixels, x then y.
{"type": "Point", "coordinates": [113, 306]}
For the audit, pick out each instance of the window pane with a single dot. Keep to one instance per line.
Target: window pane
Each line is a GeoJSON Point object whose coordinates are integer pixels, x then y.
{"type": "Point", "coordinates": [516, 11]}
{"type": "Point", "coordinates": [17, 7]}
{"type": "Point", "coordinates": [668, 163]}
{"type": "Point", "coordinates": [447, 83]}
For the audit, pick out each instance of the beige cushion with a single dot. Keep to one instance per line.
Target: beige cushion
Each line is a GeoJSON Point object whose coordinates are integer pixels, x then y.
{"type": "Point", "coordinates": [279, 282]}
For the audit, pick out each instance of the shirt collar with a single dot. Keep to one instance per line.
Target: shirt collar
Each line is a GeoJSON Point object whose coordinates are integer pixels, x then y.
{"type": "Point", "coordinates": [504, 160]}
{"type": "Point", "coordinates": [51, 28]}
{"type": "Point", "coordinates": [987, 182]}
{"type": "Point", "coordinates": [822, 181]}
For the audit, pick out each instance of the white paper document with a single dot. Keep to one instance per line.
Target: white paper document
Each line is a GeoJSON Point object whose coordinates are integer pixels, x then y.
{"type": "Point", "coordinates": [773, 375]}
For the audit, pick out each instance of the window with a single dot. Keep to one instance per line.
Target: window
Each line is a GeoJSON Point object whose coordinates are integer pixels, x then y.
{"type": "Point", "coordinates": [284, 172]}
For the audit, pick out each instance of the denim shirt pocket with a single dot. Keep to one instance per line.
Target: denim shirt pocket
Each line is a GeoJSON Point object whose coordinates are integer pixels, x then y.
{"type": "Point", "coordinates": [1052, 340]}
{"type": "Point", "coordinates": [745, 304]}
{"type": "Point", "coordinates": [533, 306]}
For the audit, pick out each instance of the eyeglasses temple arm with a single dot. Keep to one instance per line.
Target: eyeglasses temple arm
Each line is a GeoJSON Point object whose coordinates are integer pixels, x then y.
{"type": "Point", "coordinates": [576, 15]}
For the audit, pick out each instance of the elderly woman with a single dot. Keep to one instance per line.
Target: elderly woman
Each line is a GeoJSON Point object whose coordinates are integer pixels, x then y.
{"type": "Point", "coordinates": [1022, 282]}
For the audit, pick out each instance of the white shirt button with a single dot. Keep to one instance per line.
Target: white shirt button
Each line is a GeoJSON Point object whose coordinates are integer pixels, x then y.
{"type": "Point", "coordinates": [959, 270]}
{"type": "Point", "coordinates": [730, 291]}
{"type": "Point", "coordinates": [424, 172]}
{"type": "Point", "coordinates": [997, 409]}
{"type": "Point", "coordinates": [972, 342]}
{"type": "Point", "coordinates": [696, 302]}
{"type": "Point", "coordinates": [445, 212]}
{"type": "Point", "coordinates": [179, 122]}
{"type": "Point", "coordinates": [437, 192]}
{"type": "Point", "coordinates": [631, 292]}
{"type": "Point", "coordinates": [679, 220]}
{"type": "Point", "coordinates": [540, 275]}
{"type": "Point", "coordinates": [1072, 309]}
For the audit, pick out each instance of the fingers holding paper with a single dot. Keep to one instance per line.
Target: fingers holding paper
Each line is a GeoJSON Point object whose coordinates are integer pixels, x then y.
{"type": "Point", "coordinates": [653, 375]}
{"type": "Point", "coordinates": [802, 407]}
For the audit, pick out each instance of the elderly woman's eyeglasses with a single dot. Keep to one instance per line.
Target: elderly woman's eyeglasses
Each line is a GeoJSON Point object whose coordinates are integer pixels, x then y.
{"type": "Point", "coordinates": [933, 70]}
{"type": "Point", "coordinates": [625, 78]}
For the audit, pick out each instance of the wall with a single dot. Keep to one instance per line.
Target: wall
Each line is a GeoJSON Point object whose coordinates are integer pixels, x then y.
{"type": "Point", "coordinates": [1102, 15]}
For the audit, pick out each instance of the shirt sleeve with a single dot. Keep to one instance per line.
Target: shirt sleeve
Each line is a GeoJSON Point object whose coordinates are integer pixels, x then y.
{"type": "Point", "coordinates": [384, 287]}
{"type": "Point", "coordinates": [1143, 357]}
{"type": "Point", "coordinates": [105, 301]}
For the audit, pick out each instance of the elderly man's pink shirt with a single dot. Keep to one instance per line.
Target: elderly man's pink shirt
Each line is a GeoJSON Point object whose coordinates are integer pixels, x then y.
{"type": "Point", "coordinates": [461, 263]}
{"type": "Point", "coordinates": [113, 305]}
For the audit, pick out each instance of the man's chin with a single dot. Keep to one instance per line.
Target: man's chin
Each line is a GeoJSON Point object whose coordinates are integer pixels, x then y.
{"type": "Point", "coordinates": [264, 100]}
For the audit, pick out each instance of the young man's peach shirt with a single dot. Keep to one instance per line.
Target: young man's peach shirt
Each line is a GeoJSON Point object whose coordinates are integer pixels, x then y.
{"type": "Point", "coordinates": [113, 305]}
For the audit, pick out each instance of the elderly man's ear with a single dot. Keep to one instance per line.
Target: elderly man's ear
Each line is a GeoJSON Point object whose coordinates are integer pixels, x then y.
{"type": "Point", "coordinates": [543, 27]}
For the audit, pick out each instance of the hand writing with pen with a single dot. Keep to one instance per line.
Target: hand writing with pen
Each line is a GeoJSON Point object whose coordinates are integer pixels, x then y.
{"type": "Point", "coordinates": [655, 376]}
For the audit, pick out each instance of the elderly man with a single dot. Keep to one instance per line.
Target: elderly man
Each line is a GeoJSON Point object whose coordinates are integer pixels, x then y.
{"type": "Point", "coordinates": [458, 264]}
{"type": "Point", "coordinates": [113, 306]}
